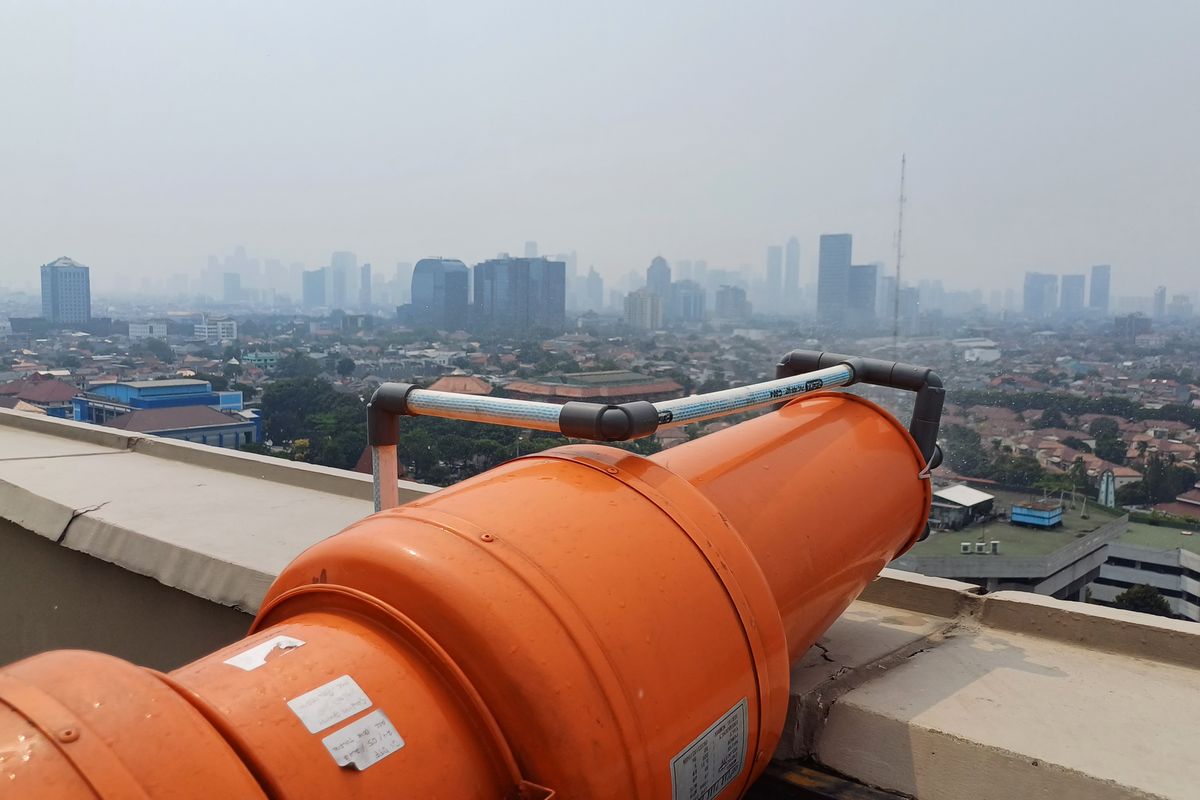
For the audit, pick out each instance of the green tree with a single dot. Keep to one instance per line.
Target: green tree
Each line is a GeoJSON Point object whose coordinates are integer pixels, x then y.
{"type": "Point", "coordinates": [345, 367]}
{"type": "Point", "coordinates": [160, 350]}
{"type": "Point", "coordinates": [964, 451]}
{"type": "Point", "coordinates": [297, 365]}
{"type": "Point", "coordinates": [1145, 599]}
{"type": "Point", "coordinates": [1050, 418]}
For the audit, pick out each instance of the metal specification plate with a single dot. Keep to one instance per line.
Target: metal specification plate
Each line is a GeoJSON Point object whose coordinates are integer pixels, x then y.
{"type": "Point", "coordinates": [713, 760]}
{"type": "Point", "coordinates": [364, 742]}
{"type": "Point", "coordinates": [330, 703]}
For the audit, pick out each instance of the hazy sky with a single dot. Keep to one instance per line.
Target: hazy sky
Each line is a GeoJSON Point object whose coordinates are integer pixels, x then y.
{"type": "Point", "coordinates": [140, 137]}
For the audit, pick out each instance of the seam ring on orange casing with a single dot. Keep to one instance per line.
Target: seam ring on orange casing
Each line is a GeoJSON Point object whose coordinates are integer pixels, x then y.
{"type": "Point", "coordinates": [85, 750]}
{"type": "Point", "coordinates": [432, 650]}
{"type": "Point", "coordinates": [750, 617]}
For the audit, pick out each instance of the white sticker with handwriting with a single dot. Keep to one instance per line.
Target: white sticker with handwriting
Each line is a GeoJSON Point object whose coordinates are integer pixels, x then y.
{"type": "Point", "coordinates": [364, 742]}
{"type": "Point", "coordinates": [330, 703]}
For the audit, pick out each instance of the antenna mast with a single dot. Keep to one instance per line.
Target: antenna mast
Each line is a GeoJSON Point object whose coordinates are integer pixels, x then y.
{"type": "Point", "coordinates": [899, 256]}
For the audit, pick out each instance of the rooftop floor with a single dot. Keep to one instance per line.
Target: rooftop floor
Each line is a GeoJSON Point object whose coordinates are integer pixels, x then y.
{"type": "Point", "coordinates": [1161, 537]}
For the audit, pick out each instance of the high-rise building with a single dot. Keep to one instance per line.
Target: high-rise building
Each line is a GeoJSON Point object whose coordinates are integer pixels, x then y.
{"type": "Point", "coordinates": [520, 294]}
{"type": "Point", "coordinates": [685, 302]}
{"type": "Point", "coordinates": [1101, 275]}
{"type": "Point", "coordinates": [313, 288]}
{"type": "Point", "coordinates": [1041, 294]}
{"type": "Point", "coordinates": [231, 286]}
{"type": "Point", "coordinates": [343, 267]}
{"type": "Point", "coordinates": [364, 287]}
{"type": "Point", "coordinates": [594, 291]}
{"type": "Point", "coordinates": [643, 309]}
{"type": "Point", "coordinates": [531, 249]}
{"type": "Point", "coordinates": [731, 303]}
{"type": "Point", "coordinates": [775, 272]}
{"type": "Point", "coordinates": [658, 277]}
{"type": "Point", "coordinates": [66, 291]}
{"type": "Point", "coordinates": [1071, 296]}
{"type": "Point", "coordinates": [860, 295]}
{"type": "Point", "coordinates": [791, 273]}
{"type": "Point", "coordinates": [833, 278]}
{"type": "Point", "coordinates": [439, 293]}
{"type": "Point", "coordinates": [1160, 302]}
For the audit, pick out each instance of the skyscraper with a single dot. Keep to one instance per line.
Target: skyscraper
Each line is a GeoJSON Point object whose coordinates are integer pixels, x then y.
{"type": "Point", "coordinates": [594, 291]}
{"type": "Point", "coordinates": [1071, 296]}
{"type": "Point", "coordinates": [643, 309]}
{"type": "Point", "coordinates": [791, 273]}
{"type": "Point", "coordinates": [658, 277]}
{"type": "Point", "coordinates": [1101, 274]}
{"type": "Point", "coordinates": [520, 294]}
{"type": "Point", "coordinates": [1160, 302]}
{"type": "Point", "coordinates": [66, 292]}
{"type": "Point", "coordinates": [833, 278]}
{"type": "Point", "coordinates": [685, 302]}
{"type": "Point", "coordinates": [1041, 294]}
{"type": "Point", "coordinates": [860, 295]}
{"type": "Point", "coordinates": [313, 288]}
{"type": "Point", "coordinates": [439, 293]}
{"type": "Point", "coordinates": [531, 249]}
{"type": "Point", "coordinates": [731, 303]}
{"type": "Point", "coordinates": [364, 287]}
{"type": "Point", "coordinates": [775, 272]}
{"type": "Point", "coordinates": [342, 267]}
{"type": "Point", "coordinates": [231, 287]}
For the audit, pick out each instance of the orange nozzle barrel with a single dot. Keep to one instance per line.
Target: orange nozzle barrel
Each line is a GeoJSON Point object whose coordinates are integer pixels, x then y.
{"type": "Point", "coordinates": [581, 623]}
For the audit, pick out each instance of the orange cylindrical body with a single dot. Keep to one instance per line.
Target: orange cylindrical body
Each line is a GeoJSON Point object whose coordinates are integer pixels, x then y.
{"type": "Point", "coordinates": [587, 620]}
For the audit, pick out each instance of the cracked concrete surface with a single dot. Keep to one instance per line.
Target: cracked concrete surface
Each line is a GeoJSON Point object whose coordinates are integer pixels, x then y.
{"type": "Point", "coordinates": [999, 696]}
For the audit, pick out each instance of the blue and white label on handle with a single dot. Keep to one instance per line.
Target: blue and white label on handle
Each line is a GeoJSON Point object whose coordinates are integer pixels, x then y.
{"type": "Point", "coordinates": [714, 759]}
{"type": "Point", "coordinates": [364, 742]}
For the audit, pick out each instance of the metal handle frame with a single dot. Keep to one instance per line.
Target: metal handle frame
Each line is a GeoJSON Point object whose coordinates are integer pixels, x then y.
{"type": "Point", "coordinates": [800, 372]}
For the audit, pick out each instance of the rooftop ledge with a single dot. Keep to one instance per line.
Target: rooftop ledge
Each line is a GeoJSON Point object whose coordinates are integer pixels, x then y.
{"type": "Point", "coordinates": [924, 687]}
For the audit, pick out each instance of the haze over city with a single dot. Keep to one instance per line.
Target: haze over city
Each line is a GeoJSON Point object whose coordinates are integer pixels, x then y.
{"type": "Point", "coordinates": [143, 137]}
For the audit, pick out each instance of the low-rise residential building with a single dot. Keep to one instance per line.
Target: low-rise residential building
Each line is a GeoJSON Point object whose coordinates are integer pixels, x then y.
{"type": "Point", "coordinates": [198, 424]}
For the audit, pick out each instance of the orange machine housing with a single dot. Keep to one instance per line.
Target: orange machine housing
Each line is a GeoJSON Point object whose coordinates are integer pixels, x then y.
{"type": "Point", "coordinates": [580, 623]}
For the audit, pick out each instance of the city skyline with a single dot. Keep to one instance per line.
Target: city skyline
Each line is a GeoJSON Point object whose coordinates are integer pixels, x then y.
{"type": "Point", "coordinates": [1016, 164]}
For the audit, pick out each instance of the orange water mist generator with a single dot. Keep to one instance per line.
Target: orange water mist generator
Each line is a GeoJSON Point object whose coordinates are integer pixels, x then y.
{"type": "Point", "coordinates": [582, 623]}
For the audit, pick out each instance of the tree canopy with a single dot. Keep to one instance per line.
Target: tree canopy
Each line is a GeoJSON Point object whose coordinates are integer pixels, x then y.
{"type": "Point", "coordinates": [1145, 599]}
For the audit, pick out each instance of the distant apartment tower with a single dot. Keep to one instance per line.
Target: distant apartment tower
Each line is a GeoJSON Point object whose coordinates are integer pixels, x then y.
{"type": "Point", "coordinates": [1101, 276]}
{"type": "Point", "coordinates": [594, 291]}
{"type": "Point", "coordinates": [66, 292]}
{"type": "Point", "coordinates": [833, 278]}
{"type": "Point", "coordinates": [658, 277]}
{"type": "Point", "coordinates": [644, 309]}
{"type": "Point", "coordinates": [531, 249]}
{"type": "Point", "coordinates": [439, 293]}
{"type": "Point", "coordinates": [1071, 297]}
{"type": "Point", "coordinates": [1160, 302]}
{"type": "Point", "coordinates": [791, 271]}
{"type": "Point", "coordinates": [731, 303]}
{"type": "Point", "coordinates": [775, 272]}
{"type": "Point", "coordinates": [860, 295]}
{"type": "Point", "coordinates": [342, 267]}
{"type": "Point", "coordinates": [685, 302]}
{"type": "Point", "coordinates": [364, 287]}
{"type": "Point", "coordinates": [520, 294]}
{"type": "Point", "coordinates": [1041, 294]}
{"type": "Point", "coordinates": [231, 287]}
{"type": "Point", "coordinates": [313, 288]}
